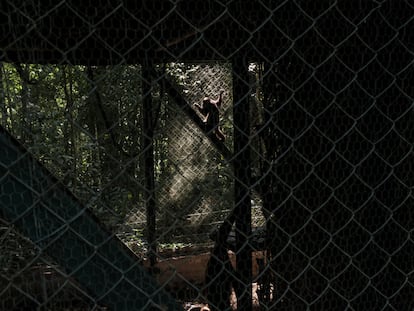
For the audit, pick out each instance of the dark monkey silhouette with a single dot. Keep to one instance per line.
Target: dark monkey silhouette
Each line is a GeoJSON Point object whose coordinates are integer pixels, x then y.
{"type": "Point", "coordinates": [210, 110]}
{"type": "Point", "coordinates": [220, 274]}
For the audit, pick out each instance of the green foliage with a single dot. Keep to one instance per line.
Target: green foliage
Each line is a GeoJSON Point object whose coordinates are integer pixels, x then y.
{"type": "Point", "coordinates": [55, 114]}
{"type": "Point", "coordinates": [85, 125]}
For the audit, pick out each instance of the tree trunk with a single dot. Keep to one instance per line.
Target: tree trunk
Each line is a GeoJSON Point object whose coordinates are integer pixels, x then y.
{"type": "Point", "coordinates": [3, 112]}
{"type": "Point", "coordinates": [148, 161]}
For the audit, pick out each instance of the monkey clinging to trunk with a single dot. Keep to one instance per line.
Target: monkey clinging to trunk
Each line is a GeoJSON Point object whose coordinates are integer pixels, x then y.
{"type": "Point", "coordinates": [210, 110]}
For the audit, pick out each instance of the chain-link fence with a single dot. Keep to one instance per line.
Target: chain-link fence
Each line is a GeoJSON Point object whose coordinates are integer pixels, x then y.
{"type": "Point", "coordinates": [206, 155]}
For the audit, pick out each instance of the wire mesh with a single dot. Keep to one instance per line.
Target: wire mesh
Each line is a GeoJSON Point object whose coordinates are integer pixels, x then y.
{"type": "Point", "coordinates": [117, 194]}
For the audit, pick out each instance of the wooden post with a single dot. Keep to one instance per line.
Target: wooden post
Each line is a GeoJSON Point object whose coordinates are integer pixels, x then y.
{"type": "Point", "coordinates": [242, 179]}
{"type": "Point", "coordinates": [148, 161]}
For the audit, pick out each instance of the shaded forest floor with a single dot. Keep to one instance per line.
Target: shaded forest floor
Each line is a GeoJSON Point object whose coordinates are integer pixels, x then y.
{"type": "Point", "coordinates": [185, 276]}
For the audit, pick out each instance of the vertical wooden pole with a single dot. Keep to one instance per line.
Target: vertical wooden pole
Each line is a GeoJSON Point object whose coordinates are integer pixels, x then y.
{"type": "Point", "coordinates": [148, 159]}
{"type": "Point", "coordinates": [242, 179]}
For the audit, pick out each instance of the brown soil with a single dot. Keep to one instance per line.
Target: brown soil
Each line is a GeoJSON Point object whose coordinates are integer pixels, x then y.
{"type": "Point", "coordinates": [182, 272]}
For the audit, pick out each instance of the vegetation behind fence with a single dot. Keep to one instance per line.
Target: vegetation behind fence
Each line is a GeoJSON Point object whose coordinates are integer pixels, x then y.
{"type": "Point", "coordinates": [118, 193]}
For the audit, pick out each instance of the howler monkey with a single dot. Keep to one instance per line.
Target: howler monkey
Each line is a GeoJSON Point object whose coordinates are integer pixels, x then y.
{"type": "Point", "coordinates": [210, 110]}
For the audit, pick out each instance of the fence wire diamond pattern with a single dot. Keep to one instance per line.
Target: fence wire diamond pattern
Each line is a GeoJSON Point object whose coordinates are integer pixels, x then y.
{"type": "Point", "coordinates": [292, 190]}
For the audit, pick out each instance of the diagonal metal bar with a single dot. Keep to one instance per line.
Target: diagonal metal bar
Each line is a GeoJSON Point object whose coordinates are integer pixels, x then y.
{"type": "Point", "coordinates": [173, 91]}
{"type": "Point", "coordinates": [45, 211]}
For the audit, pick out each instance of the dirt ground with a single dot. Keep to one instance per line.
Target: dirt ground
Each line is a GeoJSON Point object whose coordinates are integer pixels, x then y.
{"type": "Point", "coordinates": [181, 271]}
{"type": "Point", "coordinates": [192, 306]}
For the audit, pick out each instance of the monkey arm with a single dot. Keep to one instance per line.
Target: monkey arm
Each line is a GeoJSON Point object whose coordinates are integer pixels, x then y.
{"type": "Point", "coordinates": [206, 117]}
{"type": "Point", "coordinates": [203, 111]}
{"type": "Point", "coordinates": [197, 105]}
{"type": "Point", "coordinates": [200, 108]}
{"type": "Point", "coordinates": [218, 101]}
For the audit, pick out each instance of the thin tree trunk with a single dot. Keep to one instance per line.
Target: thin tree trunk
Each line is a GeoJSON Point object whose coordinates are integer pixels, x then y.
{"type": "Point", "coordinates": [148, 159]}
{"type": "Point", "coordinates": [92, 120]}
{"type": "Point", "coordinates": [25, 127]}
{"type": "Point", "coordinates": [9, 107]}
{"type": "Point", "coordinates": [3, 107]}
{"type": "Point", "coordinates": [69, 133]}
